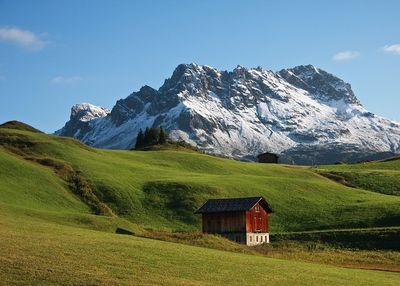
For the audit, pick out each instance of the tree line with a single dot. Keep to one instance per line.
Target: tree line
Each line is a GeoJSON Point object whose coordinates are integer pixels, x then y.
{"type": "Point", "coordinates": [151, 136]}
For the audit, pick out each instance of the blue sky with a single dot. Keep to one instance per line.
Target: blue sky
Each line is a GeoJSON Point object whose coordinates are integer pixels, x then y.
{"type": "Point", "coordinates": [54, 54]}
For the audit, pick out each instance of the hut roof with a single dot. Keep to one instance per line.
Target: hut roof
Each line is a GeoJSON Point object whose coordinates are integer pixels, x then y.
{"type": "Point", "coordinates": [233, 205]}
{"type": "Point", "coordinates": [267, 153]}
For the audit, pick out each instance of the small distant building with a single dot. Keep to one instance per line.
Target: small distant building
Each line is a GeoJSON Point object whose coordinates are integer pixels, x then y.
{"type": "Point", "coordinates": [268, 158]}
{"type": "Point", "coordinates": [244, 220]}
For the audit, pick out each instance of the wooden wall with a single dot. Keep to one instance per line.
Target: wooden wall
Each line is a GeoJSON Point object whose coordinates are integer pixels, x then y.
{"type": "Point", "coordinates": [254, 220]}
{"type": "Point", "coordinates": [224, 222]}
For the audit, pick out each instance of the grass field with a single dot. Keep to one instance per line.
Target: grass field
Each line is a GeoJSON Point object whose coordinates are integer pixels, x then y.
{"type": "Point", "coordinates": [160, 190]}
{"type": "Point", "coordinates": [52, 187]}
{"type": "Point", "coordinates": [381, 176]}
{"type": "Point", "coordinates": [36, 252]}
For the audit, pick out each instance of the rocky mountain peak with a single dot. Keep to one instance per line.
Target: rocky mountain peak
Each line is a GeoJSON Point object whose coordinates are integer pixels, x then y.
{"type": "Point", "coordinates": [185, 72]}
{"type": "Point", "coordinates": [87, 112]}
{"type": "Point", "coordinates": [321, 84]}
{"type": "Point", "coordinates": [304, 113]}
{"type": "Point", "coordinates": [190, 77]}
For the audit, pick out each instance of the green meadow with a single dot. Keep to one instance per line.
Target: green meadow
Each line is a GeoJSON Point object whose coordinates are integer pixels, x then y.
{"type": "Point", "coordinates": [61, 203]}
{"type": "Point", "coordinates": [35, 252]}
{"type": "Point", "coordinates": [379, 176]}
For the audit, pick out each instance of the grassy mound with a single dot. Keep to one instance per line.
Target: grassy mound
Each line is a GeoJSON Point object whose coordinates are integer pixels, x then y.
{"type": "Point", "coordinates": [17, 125]}
{"type": "Point", "coordinates": [160, 190]}
{"type": "Point", "coordinates": [377, 176]}
{"type": "Point", "coordinates": [177, 201]}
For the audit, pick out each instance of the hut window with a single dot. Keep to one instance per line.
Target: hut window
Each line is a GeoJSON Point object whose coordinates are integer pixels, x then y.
{"type": "Point", "coordinates": [265, 238]}
{"type": "Point", "coordinates": [251, 238]}
{"type": "Point", "coordinates": [261, 238]}
{"type": "Point", "coordinates": [257, 238]}
{"type": "Point", "coordinates": [257, 209]}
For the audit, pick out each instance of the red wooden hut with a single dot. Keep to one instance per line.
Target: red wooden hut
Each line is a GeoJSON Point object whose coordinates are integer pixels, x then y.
{"type": "Point", "coordinates": [244, 220]}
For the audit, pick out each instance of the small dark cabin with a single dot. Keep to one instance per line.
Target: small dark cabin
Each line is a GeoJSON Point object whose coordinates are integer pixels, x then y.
{"type": "Point", "coordinates": [244, 220]}
{"type": "Point", "coordinates": [268, 158]}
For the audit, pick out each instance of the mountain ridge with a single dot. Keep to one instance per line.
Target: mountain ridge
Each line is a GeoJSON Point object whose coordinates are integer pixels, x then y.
{"type": "Point", "coordinates": [305, 114]}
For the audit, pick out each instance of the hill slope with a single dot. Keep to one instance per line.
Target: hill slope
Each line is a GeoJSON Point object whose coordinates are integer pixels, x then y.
{"type": "Point", "coordinates": [50, 235]}
{"type": "Point", "coordinates": [161, 189]}
{"type": "Point", "coordinates": [377, 176]}
{"type": "Point", "coordinates": [41, 253]}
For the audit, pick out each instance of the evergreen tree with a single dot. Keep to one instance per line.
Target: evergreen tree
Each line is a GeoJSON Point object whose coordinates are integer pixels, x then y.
{"type": "Point", "coordinates": [139, 139]}
{"type": "Point", "coordinates": [153, 136]}
{"type": "Point", "coordinates": [146, 137]}
{"type": "Point", "coordinates": [162, 137]}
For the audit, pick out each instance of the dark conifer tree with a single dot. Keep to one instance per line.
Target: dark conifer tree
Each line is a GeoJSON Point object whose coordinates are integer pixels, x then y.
{"type": "Point", "coordinates": [162, 137]}
{"type": "Point", "coordinates": [146, 137]}
{"type": "Point", "coordinates": [139, 139]}
{"type": "Point", "coordinates": [153, 136]}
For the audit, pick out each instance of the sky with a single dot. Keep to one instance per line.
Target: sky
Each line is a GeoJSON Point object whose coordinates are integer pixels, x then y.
{"type": "Point", "coordinates": [54, 54]}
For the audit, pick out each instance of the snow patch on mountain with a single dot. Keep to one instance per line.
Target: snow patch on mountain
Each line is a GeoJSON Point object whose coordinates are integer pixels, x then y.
{"type": "Point", "coordinates": [305, 114]}
{"type": "Point", "coordinates": [87, 111]}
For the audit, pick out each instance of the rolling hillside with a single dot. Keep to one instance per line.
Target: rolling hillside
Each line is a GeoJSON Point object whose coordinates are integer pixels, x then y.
{"type": "Point", "coordinates": [377, 176]}
{"type": "Point", "coordinates": [160, 190]}
{"type": "Point", "coordinates": [61, 203]}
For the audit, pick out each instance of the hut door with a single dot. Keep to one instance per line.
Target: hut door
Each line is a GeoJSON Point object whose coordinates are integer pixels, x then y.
{"type": "Point", "coordinates": [257, 222]}
{"type": "Point", "coordinates": [257, 219]}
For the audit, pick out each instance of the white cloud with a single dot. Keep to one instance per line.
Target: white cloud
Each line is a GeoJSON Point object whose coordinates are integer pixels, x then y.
{"type": "Point", "coordinates": [22, 38]}
{"type": "Point", "coordinates": [346, 56]}
{"type": "Point", "coordinates": [62, 80]}
{"type": "Point", "coordinates": [393, 49]}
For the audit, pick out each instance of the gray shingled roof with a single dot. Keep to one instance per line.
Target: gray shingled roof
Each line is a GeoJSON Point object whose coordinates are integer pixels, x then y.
{"type": "Point", "coordinates": [232, 205]}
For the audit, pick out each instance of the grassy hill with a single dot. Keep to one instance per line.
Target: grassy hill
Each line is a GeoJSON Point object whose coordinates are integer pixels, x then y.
{"type": "Point", "coordinates": [377, 176]}
{"type": "Point", "coordinates": [160, 190]}
{"type": "Point", "coordinates": [61, 203]}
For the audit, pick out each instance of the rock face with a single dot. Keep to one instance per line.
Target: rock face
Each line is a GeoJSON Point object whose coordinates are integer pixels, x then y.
{"type": "Point", "coordinates": [81, 119]}
{"type": "Point", "coordinates": [304, 114]}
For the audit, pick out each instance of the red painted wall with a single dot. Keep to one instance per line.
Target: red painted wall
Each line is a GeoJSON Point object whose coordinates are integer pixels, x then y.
{"type": "Point", "coordinates": [257, 221]}
{"type": "Point", "coordinates": [249, 221]}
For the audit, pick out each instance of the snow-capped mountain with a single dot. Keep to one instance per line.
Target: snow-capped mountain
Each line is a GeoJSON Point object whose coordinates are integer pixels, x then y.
{"type": "Point", "coordinates": [304, 114]}
{"type": "Point", "coordinates": [80, 120]}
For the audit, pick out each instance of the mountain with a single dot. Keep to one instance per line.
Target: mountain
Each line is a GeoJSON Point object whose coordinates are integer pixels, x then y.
{"type": "Point", "coordinates": [304, 114]}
